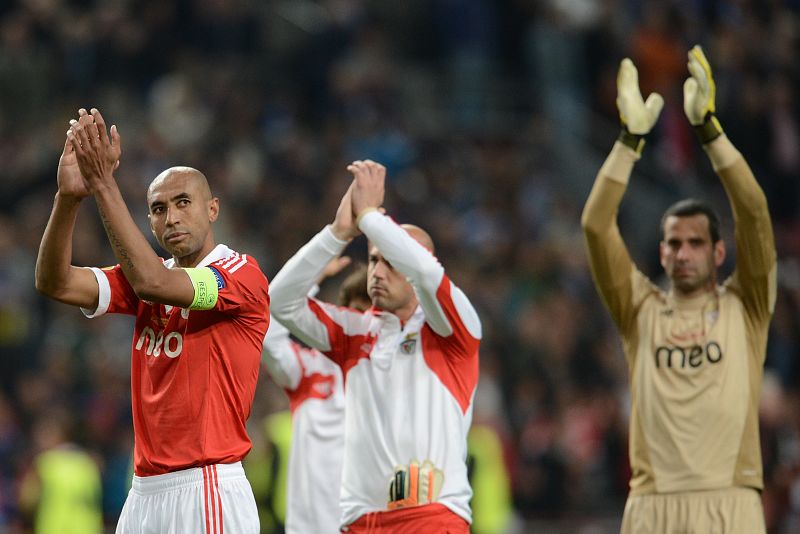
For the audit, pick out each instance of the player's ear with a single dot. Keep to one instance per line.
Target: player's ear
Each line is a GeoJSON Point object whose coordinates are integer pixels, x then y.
{"type": "Point", "coordinates": [662, 253]}
{"type": "Point", "coordinates": [719, 253]}
{"type": "Point", "coordinates": [213, 209]}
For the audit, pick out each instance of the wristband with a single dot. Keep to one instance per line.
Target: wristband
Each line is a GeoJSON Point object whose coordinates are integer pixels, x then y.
{"type": "Point", "coordinates": [634, 141]}
{"type": "Point", "coordinates": [709, 130]}
{"type": "Point", "coordinates": [206, 289]}
{"type": "Point", "coordinates": [364, 212]}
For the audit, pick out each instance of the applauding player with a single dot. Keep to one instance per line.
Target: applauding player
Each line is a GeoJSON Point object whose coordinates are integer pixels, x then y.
{"type": "Point", "coordinates": [695, 352]}
{"type": "Point", "coordinates": [201, 317]}
{"type": "Point", "coordinates": [410, 367]}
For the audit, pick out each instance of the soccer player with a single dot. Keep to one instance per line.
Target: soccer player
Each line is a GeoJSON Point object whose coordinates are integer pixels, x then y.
{"type": "Point", "coordinates": [695, 352]}
{"type": "Point", "coordinates": [315, 388]}
{"type": "Point", "coordinates": [410, 367]}
{"type": "Point", "coordinates": [201, 317]}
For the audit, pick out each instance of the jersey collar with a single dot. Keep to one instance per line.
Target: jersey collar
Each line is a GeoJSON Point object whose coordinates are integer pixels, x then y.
{"type": "Point", "coordinates": [217, 253]}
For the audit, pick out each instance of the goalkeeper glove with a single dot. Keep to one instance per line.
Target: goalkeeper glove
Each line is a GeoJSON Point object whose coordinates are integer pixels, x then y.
{"type": "Point", "coordinates": [636, 115]}
{"type": "Point", "coordinates": [699, 97]}
{"type": "Point", "coordinates": [415, 485]}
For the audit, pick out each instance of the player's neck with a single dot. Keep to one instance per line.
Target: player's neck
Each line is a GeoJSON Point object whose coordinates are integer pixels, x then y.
{"type": "Point", "coordinates": [191, 260]}
{"type": "Point", "coordinates": [405, 313]}
{"type": "Point", "coordinates": [696, 293]}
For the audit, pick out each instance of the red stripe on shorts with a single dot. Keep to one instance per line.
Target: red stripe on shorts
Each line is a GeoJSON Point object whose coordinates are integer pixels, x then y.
{"type": "Point", "coordinates": [219, 497]}
{"type": "Point", "coordinates": [213, 488]}
{"type": "Point", "coordinates": [205, 501]}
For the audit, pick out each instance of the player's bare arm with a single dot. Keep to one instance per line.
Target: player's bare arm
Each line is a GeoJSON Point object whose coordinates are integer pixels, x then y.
{"type": "Point", "coordinates": [56, 277]}
{"type": "Point", "coordinates": [97, 155]}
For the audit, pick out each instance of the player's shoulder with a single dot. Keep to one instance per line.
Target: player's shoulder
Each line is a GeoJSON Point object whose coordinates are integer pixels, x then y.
{"type": "Point", "coordinates": [232, 261]}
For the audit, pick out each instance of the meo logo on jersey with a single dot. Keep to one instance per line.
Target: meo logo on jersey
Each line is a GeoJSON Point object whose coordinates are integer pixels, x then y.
{"type": "Point", "coordinates": [171, 344]}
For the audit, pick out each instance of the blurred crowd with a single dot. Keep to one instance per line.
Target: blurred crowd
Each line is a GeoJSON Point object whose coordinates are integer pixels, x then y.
{"type": "Point", "coordinates": [492, 116]}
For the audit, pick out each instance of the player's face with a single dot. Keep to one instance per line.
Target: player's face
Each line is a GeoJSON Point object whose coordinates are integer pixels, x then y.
{"type": "Point", "coordinates": [180, 216]}
{"type": "Point", "coordinates": [688, 256]}
{"type": "Point", "coordinates": [388, 288]}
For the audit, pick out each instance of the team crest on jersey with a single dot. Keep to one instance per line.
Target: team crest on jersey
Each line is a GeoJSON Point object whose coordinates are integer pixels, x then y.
{"type": "Point", "coordinates": [409, 344]}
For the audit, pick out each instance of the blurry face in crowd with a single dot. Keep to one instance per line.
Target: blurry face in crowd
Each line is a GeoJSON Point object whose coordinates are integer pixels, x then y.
{"type": "Point", "coordinates": [688, 256]}
{"type": "Point", "coordinates": [181, 212]}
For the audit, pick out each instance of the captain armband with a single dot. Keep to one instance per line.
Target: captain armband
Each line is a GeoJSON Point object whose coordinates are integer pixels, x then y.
{"type": "Point", "coordinates": [206, 289]}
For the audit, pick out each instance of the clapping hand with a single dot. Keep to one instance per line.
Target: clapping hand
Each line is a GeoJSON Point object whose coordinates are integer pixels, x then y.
{"type": "Point", "coordinates": [97, 154]}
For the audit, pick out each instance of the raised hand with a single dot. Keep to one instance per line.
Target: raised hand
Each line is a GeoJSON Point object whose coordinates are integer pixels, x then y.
{"type": "Point", "coordinates": [97, 155]}
{"type": "Point", "coordinates": [368, 185]}
{"type": "Point", "coordinates": [699, 90]}
{"type": "Point", "coordinates": [70, 182]}
{"type": "Point", "coordinates": [700, 95]}
{"type": "Point", "coordinates": [637, 115]}
{"type": "Point", "coordinates": [344, 225]}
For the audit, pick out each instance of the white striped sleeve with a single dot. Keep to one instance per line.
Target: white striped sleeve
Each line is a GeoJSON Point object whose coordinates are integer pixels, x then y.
{"type": "Point", "coordinates": [103, 297]}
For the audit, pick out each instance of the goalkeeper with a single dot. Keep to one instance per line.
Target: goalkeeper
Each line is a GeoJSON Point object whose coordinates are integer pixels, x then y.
{"type": "Point", "coordinates": [696, 351]}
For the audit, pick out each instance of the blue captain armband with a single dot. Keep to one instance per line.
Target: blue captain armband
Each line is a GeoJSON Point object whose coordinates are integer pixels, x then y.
{"type": "Point", "coordinates": [206, 288]}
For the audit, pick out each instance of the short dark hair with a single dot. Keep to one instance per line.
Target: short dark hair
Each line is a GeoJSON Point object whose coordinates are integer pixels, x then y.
{"type": "Point", "coordinates": [692, 206]}
{"type": "Point", "coordinates": [354, 287]}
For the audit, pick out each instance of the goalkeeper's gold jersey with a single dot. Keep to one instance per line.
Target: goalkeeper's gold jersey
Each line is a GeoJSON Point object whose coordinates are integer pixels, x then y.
{"type": "Point", "coordinates": [695, 364]}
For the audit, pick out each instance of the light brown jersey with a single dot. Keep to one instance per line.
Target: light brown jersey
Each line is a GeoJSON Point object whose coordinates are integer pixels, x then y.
{"type": "Point", "coordinates": [695, 364]}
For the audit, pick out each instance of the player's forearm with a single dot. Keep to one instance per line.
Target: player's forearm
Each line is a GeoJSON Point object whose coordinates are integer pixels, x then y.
{"type": "Point", "coordinates": [608, 257]}
{"type": "Point", "coordinates": [403, 252]}
{"type": "Point", "coordinates": [142, 267]}
{"type": "Point", "coordinates": [599, 216]}
{"type": "Point", "coordinates": [289, 289]}
{"type": "Point", "coordinates": [53, 263]}
{"type": "Point", "coordinates": [746, 196]}
{"type": "Point", "coordinates": [279, 357]}
{"type": "Point", "coordinates": [754, 234]}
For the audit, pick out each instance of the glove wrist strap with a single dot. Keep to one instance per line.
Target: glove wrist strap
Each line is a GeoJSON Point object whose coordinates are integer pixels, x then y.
{"type": "Point", "coordinates": [709, 130]}
{"type": "Point", "coordinates": [634, 141]}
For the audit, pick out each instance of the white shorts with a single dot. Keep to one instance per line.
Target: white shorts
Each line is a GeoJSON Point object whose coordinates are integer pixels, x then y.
{"type": "Point", "coordinates": [215, 499]}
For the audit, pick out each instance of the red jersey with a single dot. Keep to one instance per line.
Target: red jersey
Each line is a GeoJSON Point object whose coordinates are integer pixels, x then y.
{"type": "Point", "coordinates": [193, 372]}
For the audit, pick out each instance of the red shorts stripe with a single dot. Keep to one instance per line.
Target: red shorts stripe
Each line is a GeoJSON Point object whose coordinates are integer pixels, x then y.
{"type": "Point", "coordinates": [205, 503]}
{"type": "Point", "coordinates": [213, 487]}
{"type": "Point", "coordinates": [219, 499]}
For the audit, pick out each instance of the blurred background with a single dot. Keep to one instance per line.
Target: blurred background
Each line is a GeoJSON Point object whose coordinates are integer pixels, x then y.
{"type": "Point", "coordinates": [492, 116]}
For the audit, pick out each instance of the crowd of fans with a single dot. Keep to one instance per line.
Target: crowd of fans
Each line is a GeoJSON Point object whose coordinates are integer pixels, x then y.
{"type": "Point", "coordinates": [492, 117]}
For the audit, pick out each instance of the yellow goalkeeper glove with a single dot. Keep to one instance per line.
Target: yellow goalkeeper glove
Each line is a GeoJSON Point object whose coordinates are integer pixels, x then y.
{"type": "Point", "coordinates": [636, 115]}
{"type": "Point", "coordinates": [699, 97]}
{"type": "Point", "coordinates": [415, 485]}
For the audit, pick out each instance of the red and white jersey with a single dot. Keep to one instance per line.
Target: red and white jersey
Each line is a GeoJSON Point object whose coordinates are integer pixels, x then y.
{"type": "Point", "coordinates": [313, 384]}
{"type": "Point", "coordinates": [408, 387]}
{"type": "Point", "coordinates": [193, 373]}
